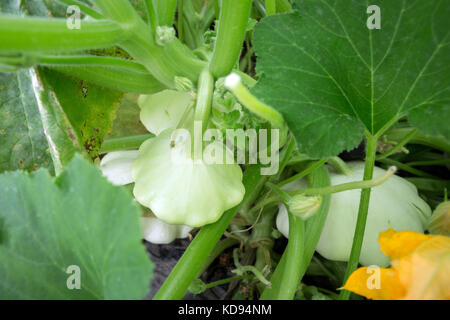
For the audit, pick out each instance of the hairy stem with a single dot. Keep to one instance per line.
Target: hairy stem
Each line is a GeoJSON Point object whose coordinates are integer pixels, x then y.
{"type": "Point", "coordinates": [233, 21]}
{"type": "Point", "coordinates": [124, 143]}
{"type": "Point", "coordinates": [313, 166]}
{"type": "Point", "coordinates": [234, 84]}
{"type": "Point", "coordinates": [204, 98]}
{"type": "Point", "coordinates": [271, 7]}
{"type": "Point", "coordinates": [166, 11]}
{"type": "Point", "coordinates": [313, 229]}
{"type": "Point", "coordinates": [294, 257]}
{"type": "Point", "coordinates": [362, 213]}
{"type": "Point", "coordinates": [18, 34]}
{"type": "Point", "coordinates": [115, 73]}
{"type": "Point", "coordinates": [339, 165]}
{"type": "Point", "coordinates": [347, 186]}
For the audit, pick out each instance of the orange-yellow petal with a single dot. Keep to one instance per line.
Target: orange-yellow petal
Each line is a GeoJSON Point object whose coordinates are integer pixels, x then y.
{"type": "Point", "coordinates": [426, 271]}
{"type": "Point", "coordinates": [399, 244]}
{"type": "Point", "coordinates": [376, 283]}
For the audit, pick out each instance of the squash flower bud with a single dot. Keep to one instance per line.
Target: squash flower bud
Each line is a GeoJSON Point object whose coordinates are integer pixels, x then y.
{"type": "Point", "coordinates": [304, 206]}
{"type": "Point", "coordinates": [440, 220]}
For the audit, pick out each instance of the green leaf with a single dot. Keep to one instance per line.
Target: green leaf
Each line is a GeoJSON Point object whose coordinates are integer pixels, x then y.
{"type": "Point", "coordinates": [22, 140]}
{"type": "Point", "coordinates": [63, 143]}
{"type": "Point", "coordinates": [127, 122]}
{"type": "Point", "coordinates": [77, 219]}
{"type": "Point", "coordinates": [332, 78]}
{"type": "Point", "coordinates": [90, 109]}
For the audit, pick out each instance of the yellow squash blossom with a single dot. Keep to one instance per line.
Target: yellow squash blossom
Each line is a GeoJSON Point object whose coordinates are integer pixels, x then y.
{"type": "Point", "coordinates": [420, 269]}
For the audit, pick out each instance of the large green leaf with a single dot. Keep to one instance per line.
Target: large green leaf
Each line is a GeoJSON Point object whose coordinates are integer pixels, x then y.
{"type": "Point", "coordinates": [90, 109]}
{"type": "Point", "coordinates": [22, 140]}
{"type": "Point", "coordinates": [77, 219]}
{"type": "Point", "coordinates": [332, 77]}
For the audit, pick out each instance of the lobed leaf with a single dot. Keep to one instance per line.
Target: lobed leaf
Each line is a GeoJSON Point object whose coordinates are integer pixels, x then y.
{"type": "Point", "coordinates": [77, 219]}
{"type": "Point", "coordinates": [334, 78]}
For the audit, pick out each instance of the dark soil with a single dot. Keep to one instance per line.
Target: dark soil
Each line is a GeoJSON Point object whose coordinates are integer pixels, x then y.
{"type": "Point", "coordinates": [166, 256]}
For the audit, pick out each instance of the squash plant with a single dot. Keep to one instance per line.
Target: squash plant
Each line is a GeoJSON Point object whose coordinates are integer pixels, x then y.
{"type": "Point", "coordinates": [96, 87]}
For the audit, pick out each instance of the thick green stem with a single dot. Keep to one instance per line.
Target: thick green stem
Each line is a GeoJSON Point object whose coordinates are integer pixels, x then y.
{"type": "Point", "coordinates": [204, 98]}
{"type": "Point", "coordinates": [271, 7]}
{"type": "Point", "coordinates": [233, 21]}
{"type": "Point", "coordinates": [216, 8]}
{"type": "Point", "coordinates": [313, 229]}
{"type": "Point", "coordinates": [163, 62]}
{"type": "Point", "coordinates": [283, 6]}
{"type": "Point", "coordinates": [339, 165]}
{"type": "Point", "coordinates": [119, 74]}
{"type": "Point", "coordinates": [19, 34]}
{"type": "Point", "coordinates": [180, 22]}
{"type": "Point", "coordinates": [151, 14]}
{"type": "Point", "coordinates": [234, 84]}
{"type": "Point", "coordinates": [124, 143]}
{"type": "Point", "coordinates": [371, 146]}
{"type": "Point", "coordinates": [346, 186]}
{"type": "Point", "coordinates": [198, 251]}
{"type": "Point", "coordinates": [143, 48]}
{"type": "Point", "coordinates": [313, 166]}
{"type": "Point", "coordinates": [294, 257]}
{"type": "Point", "coordinates": [166, 11]}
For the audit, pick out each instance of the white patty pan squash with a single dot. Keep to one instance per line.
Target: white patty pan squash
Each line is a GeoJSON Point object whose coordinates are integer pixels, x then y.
{"type": "Point", "coordinates": [116, 166]}
{"type": "Point", "coordinates": [393, 204]}
{"type": "Point", "coordinates": [187, 192]}
{"type": "Point", "coordinates": [163, 110]}
{"type": "Point", "coordinates": [156, 231]}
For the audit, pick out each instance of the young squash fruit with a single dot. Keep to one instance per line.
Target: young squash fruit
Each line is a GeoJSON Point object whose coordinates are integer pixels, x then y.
{"type": "Point", "coordinates": [393, 204]}
{"type": "Point", "coordinates": [116, 167]}
{"type": "Point", "coordinates": [179, 189]}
